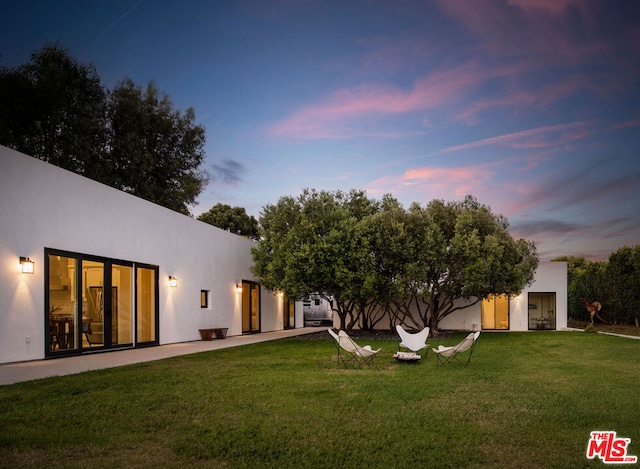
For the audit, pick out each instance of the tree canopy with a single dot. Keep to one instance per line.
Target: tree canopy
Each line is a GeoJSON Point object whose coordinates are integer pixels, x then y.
{"type": "Point", "coordinates": [375, 258]}
{"type": "Point", "coordinates": [232, 219]}
{"type": "Point", "coordinates": [56, 109]}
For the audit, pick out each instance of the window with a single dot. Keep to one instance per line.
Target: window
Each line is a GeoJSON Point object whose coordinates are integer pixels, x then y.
{"type": "Point", "coordinates": [204, 299]}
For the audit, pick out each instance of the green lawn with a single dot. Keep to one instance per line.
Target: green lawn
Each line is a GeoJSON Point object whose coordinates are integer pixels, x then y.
{"type": "Point", "coordinates": [526, 400]}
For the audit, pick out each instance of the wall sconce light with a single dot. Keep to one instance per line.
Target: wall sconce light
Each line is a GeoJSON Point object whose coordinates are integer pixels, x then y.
{"type": "Point", "coordinates": [27, 265]}
{"type": "Point", "coordinates": [173, 282]}
{"type": "Point", "coordinates": [238, 288]}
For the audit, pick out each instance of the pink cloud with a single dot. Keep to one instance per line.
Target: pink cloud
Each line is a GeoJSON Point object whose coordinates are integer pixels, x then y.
{"type": "Point", "coordinates": [345, 113]}
{"type": "Point", "coordinates": [526, 138]}
{"type": "Point", "coordinates": [327, 119]}
{"type": "Point", "coordinates": [519, 100]}
{"type": "Point", "coordinates": [627, 124]}
{"type": "Point", "coordinates": [429, 182]}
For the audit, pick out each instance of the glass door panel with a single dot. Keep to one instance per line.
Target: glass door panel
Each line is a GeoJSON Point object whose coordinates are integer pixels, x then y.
{"type": "Point", "coordinates": [246, 305]}
{"type": "Point", "coordinates": [93, 301]}
{"type": "Point", "coordinates": [62, 303]}
{"type": "Point", "coordinates": [495, 312]}
{"type": "Point", "coordinates": [250, 307]}
{"type": "Point", "coordinates": [542, 310]}
{"type": "Point", "coordinates": [146, 282]}
{"type": "Point", "coordinates": [255, 307]}
{"type": "Point", "coordinates": [121, 305]}
{"type": "Point", "coordinates": [289, 310]}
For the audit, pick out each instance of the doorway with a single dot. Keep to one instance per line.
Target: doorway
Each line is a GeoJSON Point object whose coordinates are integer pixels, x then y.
{"type": "Point", "coordinates": [288, 313]}
{"type": "Point", "coordinates": [495, 312]}
{"type": "Point", "coordinates": [542, 311]}
{"type": "Point", "coordinates": [90, 303]}
{"type": "Point", "coordinates": [250, 307]}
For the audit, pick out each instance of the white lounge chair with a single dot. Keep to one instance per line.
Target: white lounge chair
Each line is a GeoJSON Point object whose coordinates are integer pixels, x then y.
{"type": "Point", "coordinates": [350, 352]}
{"type": "Point", "coordinates": [450, 354]}
{"type": "Point", "coordinates": [414, 342]}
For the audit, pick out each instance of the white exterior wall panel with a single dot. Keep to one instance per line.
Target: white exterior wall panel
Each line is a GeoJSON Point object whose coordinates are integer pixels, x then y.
{"type": "Point", "coordinates": [42, 206]}
{"type": "Point", "coordinates": [550, 277]}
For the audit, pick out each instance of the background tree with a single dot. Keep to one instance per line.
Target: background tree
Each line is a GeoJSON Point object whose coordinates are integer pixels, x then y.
{"type": "Point", "coordinates": [56, 109]}
{"type": "Point", "coordinates": [576, 289]}
{"type": "Point", "coordinates": [623, 272]}
{"type": "Point", "coordinates": [614, 283]}
{"type": "Point", "coordinates": [155, 151]}
{"type": "Point", "coordinates": [233, 219]}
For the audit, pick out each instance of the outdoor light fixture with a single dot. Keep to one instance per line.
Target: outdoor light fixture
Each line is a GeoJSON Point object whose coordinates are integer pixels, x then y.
{"type": "Point", "coordinates": [173, 282]}
{"type": "Point", "coordinates": [27, 265]}
{"type": "Point", "coordinates": [238, 288]}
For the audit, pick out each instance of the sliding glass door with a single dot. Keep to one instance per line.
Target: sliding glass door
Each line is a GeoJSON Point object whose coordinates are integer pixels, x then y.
{"type": "Point", "coordinates": [495, 312]}
{"type": "Point", "coordinates": [542, 310]}
{"type": "Point", "coordinates": [97, 303]}
{"type": "Point", "coordinates": [288, 313]}
{"type": "Point", "coordinates": [250, 307]}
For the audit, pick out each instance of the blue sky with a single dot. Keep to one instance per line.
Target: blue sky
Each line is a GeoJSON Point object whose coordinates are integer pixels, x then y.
{"type": "Point", "coordinates": [532, 106]}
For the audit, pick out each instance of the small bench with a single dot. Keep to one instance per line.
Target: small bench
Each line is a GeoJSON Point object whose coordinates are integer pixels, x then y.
{"type": "Point", "coordinates": [218, 332]}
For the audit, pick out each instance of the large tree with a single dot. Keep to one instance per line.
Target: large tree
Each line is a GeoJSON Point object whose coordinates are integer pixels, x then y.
{"type": "Point", "coordinates": [414, 265]}
{"type": "Point", "coordinates": [316, 243]}
{"type": "Point", "coordinates": [233, 219]}
{"type": "Point", "coordinates": [470, 255]}
{"type": "Point", "coordinates": [155, 150]}
{"type": "Point", "coordinates": [56, 109]}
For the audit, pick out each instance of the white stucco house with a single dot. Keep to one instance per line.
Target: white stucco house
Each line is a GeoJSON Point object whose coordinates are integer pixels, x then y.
{"type": "Point", "coordinates": [112, 271]}
{"type": "Point", "coordinates": [86, 268]}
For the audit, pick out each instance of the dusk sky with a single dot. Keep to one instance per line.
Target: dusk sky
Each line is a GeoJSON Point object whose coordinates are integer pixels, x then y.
{"type": "Point", "coordinates": [532, 106]}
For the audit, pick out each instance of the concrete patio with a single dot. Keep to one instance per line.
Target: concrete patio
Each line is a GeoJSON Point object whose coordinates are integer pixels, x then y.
{"type": "Point", "coordinates": [26, 371]}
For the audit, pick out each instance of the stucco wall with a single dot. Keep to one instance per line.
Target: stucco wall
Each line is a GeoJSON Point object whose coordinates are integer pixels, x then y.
{"type": "Point", "coordinates": [550, 277]}
{"type": "Point", "coordinates": [42, 206]}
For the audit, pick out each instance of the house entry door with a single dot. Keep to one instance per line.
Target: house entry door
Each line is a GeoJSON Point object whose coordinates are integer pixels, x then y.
{"type": "Point", "coordinates": [495, 312]}
{"type": "Point", "coordinates": [250, 307]}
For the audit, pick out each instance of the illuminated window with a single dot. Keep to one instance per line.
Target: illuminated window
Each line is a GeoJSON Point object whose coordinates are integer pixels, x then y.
{"type": "Point", "coordinates": [204, 299]}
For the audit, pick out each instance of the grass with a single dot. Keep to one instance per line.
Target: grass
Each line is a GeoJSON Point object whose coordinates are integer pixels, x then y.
{"type": "Point", "coordinates": [526, 400]}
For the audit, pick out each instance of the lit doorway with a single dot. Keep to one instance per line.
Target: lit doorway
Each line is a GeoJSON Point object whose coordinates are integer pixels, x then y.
{"type": "Point", "coordinates": [288, 313]}
{"type": "Point", "coordinates": [495, 312]}
{"type": "Point", "coordinates": [250, 307]}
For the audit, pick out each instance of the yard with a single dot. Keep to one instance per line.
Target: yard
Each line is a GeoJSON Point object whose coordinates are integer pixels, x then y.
{"type": "Point", "coordinates": [526, 400]}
